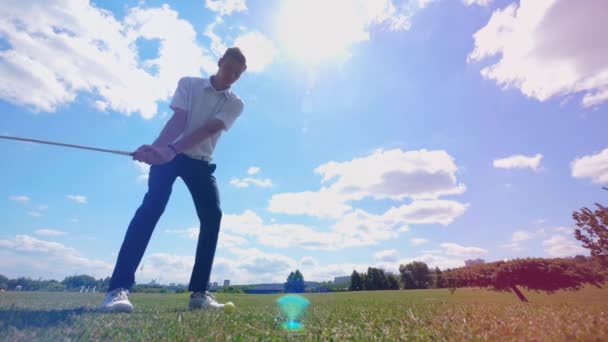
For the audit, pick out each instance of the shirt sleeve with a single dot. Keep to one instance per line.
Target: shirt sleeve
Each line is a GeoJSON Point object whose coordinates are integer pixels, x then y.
{"type": "Point", "coordinates": [180, 98]}
{"type": "Point", "coordinates": [230, 112]}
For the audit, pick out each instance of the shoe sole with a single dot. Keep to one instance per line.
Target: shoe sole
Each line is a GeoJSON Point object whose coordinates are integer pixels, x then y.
{"type": "Point", "coordinates": [118, 308]}
{"type": "Point", "coordinates": [204, 308]}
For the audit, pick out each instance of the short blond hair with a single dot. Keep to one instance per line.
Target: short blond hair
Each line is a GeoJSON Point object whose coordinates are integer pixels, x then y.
{"type": "Point", "coordinates": [237, 54]}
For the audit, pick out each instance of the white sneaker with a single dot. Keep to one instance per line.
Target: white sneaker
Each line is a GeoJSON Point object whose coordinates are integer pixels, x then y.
{"type": "Point", "coordinates": [204, 301]}
{"type": "Point", "coordinates": [117, 301]}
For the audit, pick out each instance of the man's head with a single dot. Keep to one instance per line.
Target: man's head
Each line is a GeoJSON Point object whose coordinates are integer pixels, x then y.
{"type": "Point", "coordinates": [231, 66]}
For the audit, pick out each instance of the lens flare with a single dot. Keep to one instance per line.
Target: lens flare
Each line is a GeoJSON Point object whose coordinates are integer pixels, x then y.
{"type": "Point", "coordinates": [293, 306]}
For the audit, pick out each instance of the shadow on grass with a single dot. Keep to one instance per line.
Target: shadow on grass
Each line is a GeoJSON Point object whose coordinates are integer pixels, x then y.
{"type": "Point", "coordinates": [24, 318]}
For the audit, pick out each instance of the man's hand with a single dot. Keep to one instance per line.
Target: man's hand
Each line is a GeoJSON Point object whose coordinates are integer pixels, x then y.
{"type": "Point", "coordinates": [153, 155]}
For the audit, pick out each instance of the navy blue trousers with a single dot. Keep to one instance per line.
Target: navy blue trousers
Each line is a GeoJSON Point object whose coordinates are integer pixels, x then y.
{"type": "Point", "coordinates": [198, 177]}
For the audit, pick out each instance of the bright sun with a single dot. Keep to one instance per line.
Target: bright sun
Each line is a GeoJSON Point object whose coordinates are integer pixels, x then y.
{"type": "Point", "coordinates": [315, 31]}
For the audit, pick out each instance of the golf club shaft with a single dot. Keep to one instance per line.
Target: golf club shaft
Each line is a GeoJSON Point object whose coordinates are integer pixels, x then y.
{"type": "Point", "coordinates": [125, 153]}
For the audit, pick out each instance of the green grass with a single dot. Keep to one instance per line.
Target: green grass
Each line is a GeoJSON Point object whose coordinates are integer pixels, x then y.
{"type": "Point", "coordinates": [469, 314]}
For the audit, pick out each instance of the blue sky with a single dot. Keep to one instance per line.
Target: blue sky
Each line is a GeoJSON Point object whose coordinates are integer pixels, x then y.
{"type": "Point", "coordinates": [375, 132]}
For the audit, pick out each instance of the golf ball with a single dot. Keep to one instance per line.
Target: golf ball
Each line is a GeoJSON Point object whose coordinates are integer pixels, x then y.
{"type": "Point", "coordinates": [229, 307]}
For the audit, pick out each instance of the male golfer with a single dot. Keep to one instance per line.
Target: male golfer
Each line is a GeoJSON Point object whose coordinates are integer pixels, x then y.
{"type": "Point", "coordinates": [202, 109]}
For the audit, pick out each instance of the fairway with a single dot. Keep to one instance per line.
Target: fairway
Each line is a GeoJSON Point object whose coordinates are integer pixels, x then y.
{"type": "Point", "coordinates": [468, 314]}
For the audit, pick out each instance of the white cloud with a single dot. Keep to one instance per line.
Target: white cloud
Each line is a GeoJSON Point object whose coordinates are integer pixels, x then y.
{"type": "Point", "coordinates": [245, 266]}
{"type": "Point", "coordinates": [308, 29]}
{"type": "Point", "coordinates": [43, 207]}
{"type": "Point", "coordinates": [393, 174]}
{"type": "Point", "coordinates": [561, 246]}
{"type": "Point", "coordinates": [20, 199]}
{"type": "Point", "coordinates": [258, 50]}
{"type": "Point", "coordinates": [77, 198]}
{"type": "Point", "coordinates": [226, 7]}
{"type": "Point", "coordinates": [418, 241]}
{"type": "Point", "coordinates": [225, 240]}
{"type": "Point", "coordinates": [325, 272]}
{"type": "Point", "coordinates": [143, 171]}
{"type": "Point", "coordinates": [28, 256]}
{"type": "Point", "coordinates": [238, 183]}
{"type": "Point", "coordinates": [49, 232]}
{"type": "Point", "coordinates": [230, 241]}
{"type": "Point", "coordinates": [191, 233]}
{"type": "Point", "coordinates": [249, 224]}
{"type": "Point", "coordinates": [262, 265]}
{"type": "Point", "coordinates": [519, 162]}
{"type": "Point", "coordinates": [521, 235]}
{"type": "Point", "coordinates": [462, 251]}
{"type": "Point", "coordinates": [477, 2]}
{"type": "Point", "coordinates": [34, 214]}
{"type": "Point", "coordinates": [323, 203]}
{"type": "Point", "coordinates": [566, 230]}
{"type": "Point", "coordinates": [441, 212]}
{"type": "Point", "coordinates": [548, 48]}
{"type": "Point", "coordinates": [166, 268]}
{"type": "Point", "coordinates": [253, 170]}
{"type": "Point", "coordinates": [308, 261]}
{"type": "Point", "coordinates": [247, 181]}
{"type": "Point", "coordinates": [355, 228]}
{"type": "Point", "coordinates": [592, 166]}
{"type": "Point", "coordinates": [61, 49]}
{"type": "Point", "coordinates": [389, 255]}
{"type": "Point", "coordinates": [513, 246]}
{"type": "Point", "coordinates": [433, 260]}
{"type": "Point", "coordinates": [217, 46]}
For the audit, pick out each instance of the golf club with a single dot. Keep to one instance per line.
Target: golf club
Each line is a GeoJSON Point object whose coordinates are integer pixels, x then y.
{"type": "Point", "coordinates": [125, 153]}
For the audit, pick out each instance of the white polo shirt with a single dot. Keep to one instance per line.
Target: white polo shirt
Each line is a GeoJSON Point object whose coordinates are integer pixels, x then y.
{"type": "Point", "coordinates": [197, 96]}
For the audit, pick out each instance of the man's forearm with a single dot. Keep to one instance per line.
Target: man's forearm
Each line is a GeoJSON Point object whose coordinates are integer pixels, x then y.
{"type": "Point", "coordinates": [173, 128]}
{"type": "Point", "coordinates": [206, 131]}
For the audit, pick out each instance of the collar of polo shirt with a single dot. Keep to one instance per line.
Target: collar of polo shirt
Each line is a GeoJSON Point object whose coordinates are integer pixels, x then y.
{"type": "Point", "coordinates": [210, 86]}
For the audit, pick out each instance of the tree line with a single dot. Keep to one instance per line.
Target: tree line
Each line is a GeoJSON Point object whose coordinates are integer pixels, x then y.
{"type": "Point", "coordinates": [76, 283]}
{"type": "Point", "coordinates": [70, 283]}
{"type": "Point", "coordinates": [415, 275]}
{"type": "Point", "coordinates": [548, 275]}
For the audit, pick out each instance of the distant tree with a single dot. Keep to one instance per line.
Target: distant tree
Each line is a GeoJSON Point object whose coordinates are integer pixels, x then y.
{"type": "Point", "coordinates": [363, 281]}
{"type": "Point", "coordinates": [471, 262]}
{"type": "Point", "coordinates": [327, 286]}
{"type": "Point", "coordinates": [580, 258]}
{"type": "Point", "coordinates": [392, 282]}
{"type": "Point", "coordinates": [415, 275]}
{"type": "Point", "coordinates": [149, 288]}
{"type": "Point", "coordinates": [356, 283]}
{"type": "Point", "coordinates": [3, 282]}
{"type": "Point", "coordinates": [27, 284]}
{"type": "Point", "coordinates": [230, 289]}
{"type": "Point", "coordinates": [103, 284]}
{"type": "Point", "coordinates": [592, 231]}
{"type": "Point", "coordinates": [537, 274]}
{"type": "Point", "coordinates": [288, 286]}
{"type": "Point", "coordinates": [55, 286]}
{"type": "Point", "coordinates": [295, 282]}
{"type": "Point", "coordinates": [299, 277]}
{"type": "Point", "coordinates": [375, 280]}
{"type": "Point", "coordinates": [76, 281]}
{"type": "Point", "coordinates": [437, 279]}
